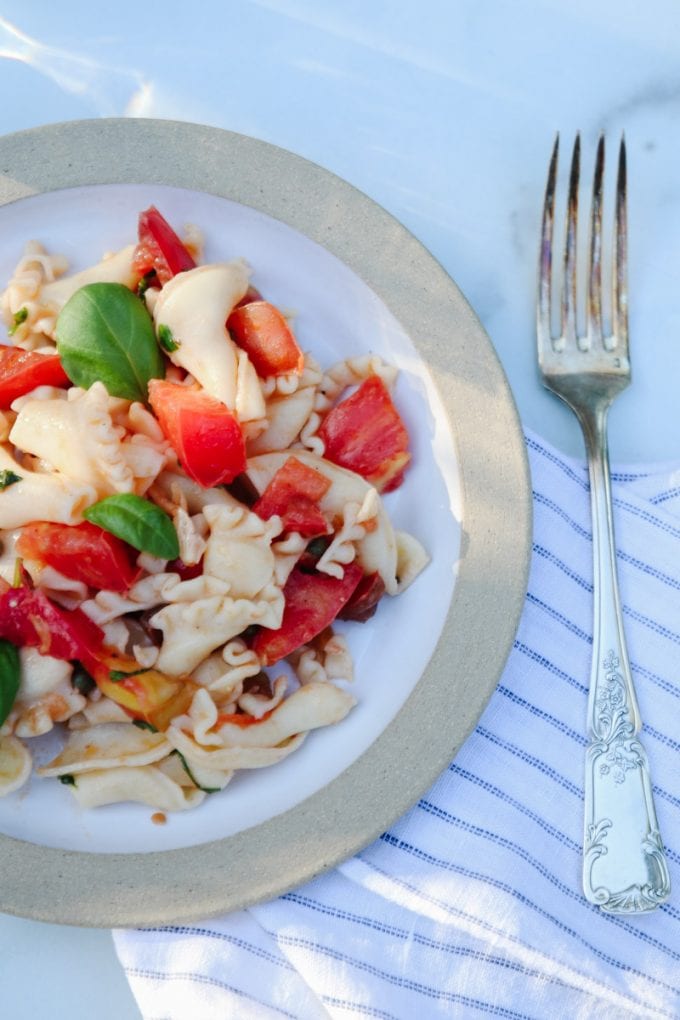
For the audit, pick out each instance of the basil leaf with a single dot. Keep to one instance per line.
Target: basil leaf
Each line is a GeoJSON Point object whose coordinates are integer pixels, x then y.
{"type": "Point", "coordinates": [68, 779]}
{"type": "Point", "coordinates": [10, 677]}
{"type": "Point", "coordinates": [8, 478]}
{"type": "Point", "coordinates": [138, 522]}
{"type": "Point", "coordinates": [17, 320]}
{"type": "Point", "coordinates": [105, 332]}
{"type": "Point", "coordinates": [166, 339]}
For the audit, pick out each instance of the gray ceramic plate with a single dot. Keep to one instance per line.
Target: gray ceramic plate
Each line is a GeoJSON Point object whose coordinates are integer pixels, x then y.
{"type": "Point", "coordinates": [427, 666]}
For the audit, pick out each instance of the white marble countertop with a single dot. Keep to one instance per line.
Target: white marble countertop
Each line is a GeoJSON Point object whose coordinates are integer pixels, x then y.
{"type": "Point", "coordinates": [445, 113]}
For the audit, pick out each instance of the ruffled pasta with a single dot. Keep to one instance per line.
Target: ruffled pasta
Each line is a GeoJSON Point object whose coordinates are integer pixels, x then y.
{"type": "Point", "coordinates": [77, 438]}
{"type": "Point", "coordinates": [45, 695]}
{"type": "Point", "coordinates": [39, 286]}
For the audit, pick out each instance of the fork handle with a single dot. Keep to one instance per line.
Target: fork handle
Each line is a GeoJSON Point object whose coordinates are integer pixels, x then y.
{"type": "Point", "coordinates": [624, 866]}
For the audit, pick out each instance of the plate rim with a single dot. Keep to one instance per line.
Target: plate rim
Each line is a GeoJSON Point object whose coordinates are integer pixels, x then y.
{"type": "Point", "coordinates": [182, 885]}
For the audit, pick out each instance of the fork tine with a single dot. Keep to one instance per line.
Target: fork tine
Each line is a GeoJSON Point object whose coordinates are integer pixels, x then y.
{"type": "Point", "coordinates": [620, 274]}
{"type": "Point", "coordinates": [568, 330]}
{"type": "Point", "coordinates": [594, 325]}
{"type": "Point", "coordinates": [543, 319]}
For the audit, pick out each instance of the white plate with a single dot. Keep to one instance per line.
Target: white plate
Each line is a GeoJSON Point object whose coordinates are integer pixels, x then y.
{"type": "Point", "coordinates": [357, 282]}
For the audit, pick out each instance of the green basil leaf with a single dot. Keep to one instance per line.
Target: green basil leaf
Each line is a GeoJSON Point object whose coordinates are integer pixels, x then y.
{"type": "Point", "coordinates": [105, 332]}
{"type": "Point", "coordinates": [68, 779]}
{"type": "Point", "coordinates": [138, 522]}
{"type": "Point", "coordinates": [10, 677]}
{"type": "Point", "coordinates": [8, 478]}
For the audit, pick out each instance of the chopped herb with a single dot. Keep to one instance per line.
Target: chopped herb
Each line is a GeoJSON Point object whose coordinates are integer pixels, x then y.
{"type": "Point", "coordinates": [68, 780]}
{"type": "Point", "coordinates": [17, 320]}
{"type": "Point", "coordinates": [142, 724]}
{"type": "Point", "coordinates": [118, 674]}
{"type": "Point", "coordinates": [192, 777]}
{"type": "Point", "coordinates": [8, 478]}
{"type": "Point", "coordinates": [166, 339]}
{"type": "Point", "coordinates": [146, 282]}
{"type": "Point", "coordinates": [81, 680]}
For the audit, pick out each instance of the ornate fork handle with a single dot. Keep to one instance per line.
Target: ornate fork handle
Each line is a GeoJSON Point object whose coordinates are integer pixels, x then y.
{"type": "Point", "coordinates": [624, 866]}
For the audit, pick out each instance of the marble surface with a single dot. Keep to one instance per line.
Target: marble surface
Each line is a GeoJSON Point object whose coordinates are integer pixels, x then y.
{"type": "Point", "coordinates": [443, 112]}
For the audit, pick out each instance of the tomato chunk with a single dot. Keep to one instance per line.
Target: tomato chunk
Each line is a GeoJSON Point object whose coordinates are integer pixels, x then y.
{"type": "Point", "coordinates": [21, 371]}
{"type": "Point", "coordinates": [202, 431]}
{"type": "Point", "coordinates": [312, 603]}
{"type": "Point", "coordinates": [364, 601]}
{"type": "Point", "coordinates": [29, 618]}
{"type": "Point", "coordinates": [145, 694]}
{"type": "Point", "coordinates": [263, 333]}
{"type": "Point", "coordinates": [365, 434]}
{"type": "Point", "coordinates": [293, 494]}
{"type": "Point", "coordinates": [159, 249]}
{"type": "Point", "coordinates": [82, 552]}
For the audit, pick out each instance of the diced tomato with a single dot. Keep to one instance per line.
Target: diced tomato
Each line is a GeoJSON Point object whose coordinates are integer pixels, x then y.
{"type": "Point", "coordinates": [364, 601]}
{"type": "Point", "coordinates": [145, 694]}
{"type": "Point", "coordinates": [186, 571]}
{"type": "Point", "coordinates": [365, 434]}
{"type": "Point", "coordinates": [312, 602]}
{"type": "Point", "coordinates": [159, 249]}
{"type": "Point", "coordinates": [293, 494]}
{"type": "Point", "coordinates": [202, 431]}
{"type": "Point", "coordinates": [263, 333]}
{"type": "Point", "coordinates": [21, 371]}
{"type": "Point", "coordinates": [29, 618]}
{"type": "Point", "coordinates": [82, 552]}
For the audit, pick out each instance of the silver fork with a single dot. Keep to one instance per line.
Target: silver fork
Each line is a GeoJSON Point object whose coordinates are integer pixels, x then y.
{"type": "Point", "coordinates": [624, 864]}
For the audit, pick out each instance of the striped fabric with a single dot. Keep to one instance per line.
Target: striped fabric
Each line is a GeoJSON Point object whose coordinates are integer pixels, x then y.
{"type": "Point", "coordinates": [470, 905]}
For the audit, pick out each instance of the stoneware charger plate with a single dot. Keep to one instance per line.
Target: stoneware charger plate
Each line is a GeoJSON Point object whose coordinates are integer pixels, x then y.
{"type": "Point", "coordinates": [428, 661]}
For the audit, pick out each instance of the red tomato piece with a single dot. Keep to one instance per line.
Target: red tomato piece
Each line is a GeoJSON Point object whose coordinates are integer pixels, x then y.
{"type": "Point", "coordinates": [21, 371]}
{"type": "Point", "coordinates": [263, 333]}
{"type": "Point", "coordinates": [159, 249]}
{"type": "Point", "coordinates": [312, 603]}
{"type": "Point", "coordinates": [293, 494]}
{"type": "Point", "coordinates": [82, 552]}
{"type": "Point", "coordinates": [29, 618]}
{"type": "Point", "coordinates": [364, 601]}
{"type": "Point", "coordinates": [365, 434]}
{"type": "Point", "coordinates": [202, 431]}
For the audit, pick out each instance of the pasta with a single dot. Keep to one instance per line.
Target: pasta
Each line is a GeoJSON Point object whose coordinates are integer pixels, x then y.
{"type": "Point", "coordinates": [176, 542]}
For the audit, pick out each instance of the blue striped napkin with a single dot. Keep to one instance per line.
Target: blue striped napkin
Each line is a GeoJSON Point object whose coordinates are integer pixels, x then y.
{"type": "Point", "coordinates": [471, 904]}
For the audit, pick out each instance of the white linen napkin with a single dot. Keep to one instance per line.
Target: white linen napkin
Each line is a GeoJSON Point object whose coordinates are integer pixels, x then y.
{"type": "Point", "coordinates": [471, 904]}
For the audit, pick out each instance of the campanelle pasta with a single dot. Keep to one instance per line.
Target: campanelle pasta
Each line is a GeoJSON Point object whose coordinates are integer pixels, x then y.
{"type": "Point", "coordinates": [171, 568]}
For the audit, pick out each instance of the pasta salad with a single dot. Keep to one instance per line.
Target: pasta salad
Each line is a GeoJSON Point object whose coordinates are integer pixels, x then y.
{"type": "Point", "coordinates": [188, 504]}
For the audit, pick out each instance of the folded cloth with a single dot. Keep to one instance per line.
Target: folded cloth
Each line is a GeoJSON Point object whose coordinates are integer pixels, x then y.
{"type": "Point", "coordinates": [471, 904]}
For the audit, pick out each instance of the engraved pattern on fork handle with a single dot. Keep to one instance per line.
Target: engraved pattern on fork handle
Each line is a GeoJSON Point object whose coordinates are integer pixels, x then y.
{"type": "Point", "coordinates": [624, 865]}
